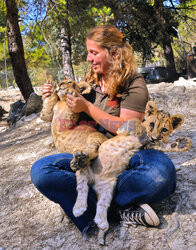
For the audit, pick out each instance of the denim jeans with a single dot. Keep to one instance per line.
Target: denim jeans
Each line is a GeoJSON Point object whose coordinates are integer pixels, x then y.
{"type": "Point", "coordinates": [150, 178]}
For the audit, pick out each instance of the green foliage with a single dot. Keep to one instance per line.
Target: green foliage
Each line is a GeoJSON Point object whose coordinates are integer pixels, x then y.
{"type": "Point", "coordinates": [41, 23]}
{"type": "Point", "coordinates": [81, 70]}
{"type": "Point", "coordinates": [2, 20]}
{"type": "Point", "coordinates": [77, 17]}
{"type": "Point", "coordinates": [41, 75]}
{"type": "Point", "coordinates": [2, 34]}
{"type": "Point", "coordinates": [35, 48]}
{"type": "Point", "coordinates": [101, 15]}
{"type": "Point", "coordinates": [187, 32]}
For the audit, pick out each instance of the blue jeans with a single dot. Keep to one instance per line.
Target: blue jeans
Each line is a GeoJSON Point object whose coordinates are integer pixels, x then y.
{"type": "Point", "coordinates": [151, 177]}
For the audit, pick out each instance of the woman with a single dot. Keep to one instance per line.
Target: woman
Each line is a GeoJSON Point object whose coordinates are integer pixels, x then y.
{"type": "Point", "coordinates": [119, 94]}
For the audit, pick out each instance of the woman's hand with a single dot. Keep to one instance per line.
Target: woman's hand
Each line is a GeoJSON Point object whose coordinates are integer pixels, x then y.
{"type": "Point", "coordinates": [77, 104]}
{"type": "Point", "coordinates": [46, 90]}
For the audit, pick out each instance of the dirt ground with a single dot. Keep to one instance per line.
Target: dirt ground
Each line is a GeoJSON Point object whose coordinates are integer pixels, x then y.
{"type": "Point", "coordinates": [30, 221]}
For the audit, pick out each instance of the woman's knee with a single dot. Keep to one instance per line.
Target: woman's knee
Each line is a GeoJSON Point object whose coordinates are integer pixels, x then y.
{"type": "Point", "coordinates": [157, 171]}
{"type": "Point", "coordinates": [164, 166]}
{"type": "Point", "coordinates": [163, 176]}
{"type": "Point", "coordinates": [152, 157]}
{"type": "Point", "coordinates": [38, 173]}
{"type": "Point", "coordinates": [52, 171]}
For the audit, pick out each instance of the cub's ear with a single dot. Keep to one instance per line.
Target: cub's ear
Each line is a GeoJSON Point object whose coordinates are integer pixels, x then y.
{"type": "Point", "coordinates": [85, 88]}
{"type": "Point", "coordinates": [151, 108]}
{"type": "Point", "coordinates": [177, 121]}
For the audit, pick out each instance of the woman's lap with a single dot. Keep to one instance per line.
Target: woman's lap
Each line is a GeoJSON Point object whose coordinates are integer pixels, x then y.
{"type": "Point", "coordinates": [150, 178]}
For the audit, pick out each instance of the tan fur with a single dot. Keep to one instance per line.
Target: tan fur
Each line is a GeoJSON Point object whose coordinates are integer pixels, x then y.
{"type": "Point", "coordinates": [114, 156]}
{"type": "Point", "coordinates": [81, 140]}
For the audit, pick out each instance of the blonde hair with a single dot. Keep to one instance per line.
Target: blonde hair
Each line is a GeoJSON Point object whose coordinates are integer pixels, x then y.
{"type": "Point", "coordinates": [123, 64]}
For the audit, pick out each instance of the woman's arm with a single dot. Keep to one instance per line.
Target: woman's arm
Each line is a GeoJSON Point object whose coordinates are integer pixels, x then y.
{"type": "Point", "coordinates": [107, 121]}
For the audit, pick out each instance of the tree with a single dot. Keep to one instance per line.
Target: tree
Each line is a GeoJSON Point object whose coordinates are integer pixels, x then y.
{"type": "Point", "coordinates": [61, 14]}
{"type": "Point", "coordinates": [65, 37]}
{"type": "Point", "coordinates": [63, 25]}
{"type": "Point", "coordinates": [73, 19]}
{"type": "Point", "coordinates": [164, 26]}
{"type": "Point", "coordinates": [56, 27]}
{"type": "Point", "coordinates": [186, 16]}
{"type": "Point", "coordinates": [139, 27]}
{"type": "Point", "coordinates": [66, 53]}
{"type": "Point", "coordinates": [2, 29]}
{"type": "Point", "coordinates": [16, 50]}
{"type": "Point", "coordinates": [55, 36]}
{"type": "Point", "coordinates": [146, 25]}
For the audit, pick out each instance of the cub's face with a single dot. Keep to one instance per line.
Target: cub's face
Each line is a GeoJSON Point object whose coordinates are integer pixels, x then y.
{"type": "Point", "coordinates": [159, 124]}
{"type": "Point", "coordinates": [67, 87]}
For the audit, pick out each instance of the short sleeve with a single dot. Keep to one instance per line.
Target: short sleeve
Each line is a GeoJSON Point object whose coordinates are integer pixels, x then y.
{"type": "Point", "coordinates": [137, 95]}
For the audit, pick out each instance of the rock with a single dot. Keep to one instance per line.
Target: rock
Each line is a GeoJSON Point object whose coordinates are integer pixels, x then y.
{"type": "Point", "coordinates": [2, 111]}
{"type": "Point", "coordinates": [20, 109]}
{"type": "Point", "coordinates": [33, 104]}
{"type": "Point", "coordinates": [16, 112]}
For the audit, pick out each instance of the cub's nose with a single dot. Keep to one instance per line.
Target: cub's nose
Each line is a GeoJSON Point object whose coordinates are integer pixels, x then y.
{"type": "Point", "coordinates": [153, 139]}
{"type": "Point", "coordinates": [61, 92]}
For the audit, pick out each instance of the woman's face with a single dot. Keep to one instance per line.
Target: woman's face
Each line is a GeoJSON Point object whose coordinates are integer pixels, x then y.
{"type": "Point", "coordinates": [98, 57]}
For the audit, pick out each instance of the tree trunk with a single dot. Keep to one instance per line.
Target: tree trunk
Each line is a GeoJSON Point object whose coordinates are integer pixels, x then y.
{"type": "Point", "coordinates": [66, 53]}
{"type": "Point", "coordinates": [169, 57]}
{"type": "Point", "coordinates": [165, 38]}
{"type": "Point", "coordinates": [16, 50]}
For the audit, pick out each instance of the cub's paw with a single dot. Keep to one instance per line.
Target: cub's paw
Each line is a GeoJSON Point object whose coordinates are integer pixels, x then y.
{"type": "Point", "coordinates": [80, 160]}
{"type": "Point", "coordinates": [79, 209]}
{"type": "Point", "coordinates": [101, 222]}
{"type": "Point", "coordinates": [182, 144]}
{"type": "Point", "coordinates": [71, 91]}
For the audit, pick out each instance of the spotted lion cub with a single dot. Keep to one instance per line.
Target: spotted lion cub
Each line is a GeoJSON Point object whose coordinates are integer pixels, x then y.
{"type": "Point", "coordinates": [82, 140]}
{"type": "Point", "coordinates": [115, 153]}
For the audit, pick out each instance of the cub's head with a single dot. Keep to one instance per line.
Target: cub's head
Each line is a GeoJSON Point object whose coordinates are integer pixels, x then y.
{"type": "Point", "coordinates": [71, 87]}
{"type": "Point", "coordinates": [66, 87]}
{"type": "Point", "coordinates": [160, 124]}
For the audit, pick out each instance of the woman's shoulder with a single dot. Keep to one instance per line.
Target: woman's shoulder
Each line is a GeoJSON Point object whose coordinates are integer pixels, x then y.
{"type": "Point", "coordinates": [135, 83]}
{"type": "Point", "coordinates": [136, 80]}
{"type": "Point", "coordinates": [136, 94]}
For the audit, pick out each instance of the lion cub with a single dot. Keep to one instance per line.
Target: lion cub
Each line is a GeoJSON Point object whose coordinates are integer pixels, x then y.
{"type": "Point", "coordinates": [82, 140]}
{"type": "Point", "coordinates": [114, 156]}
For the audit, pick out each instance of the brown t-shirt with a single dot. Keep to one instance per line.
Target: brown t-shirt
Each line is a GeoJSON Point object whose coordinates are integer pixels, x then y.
{"type": "Point", "coordinates": [134, 98]}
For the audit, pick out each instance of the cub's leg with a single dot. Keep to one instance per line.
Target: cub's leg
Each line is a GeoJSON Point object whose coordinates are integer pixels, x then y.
{"type": "Point", "coordinates": [180, 145]}
{"type": "Point", "coordinates": [82, 158]}
{"type": "Point", "coordinates": [48, 104]}
{"type": "Point", "coordinates": [82, 189]}
{"type": "Point", "coordinates": [104, 189]}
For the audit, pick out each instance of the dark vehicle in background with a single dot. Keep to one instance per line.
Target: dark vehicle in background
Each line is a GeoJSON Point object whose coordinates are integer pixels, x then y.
{"type": "Point", "coordinates": [154, 74]}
